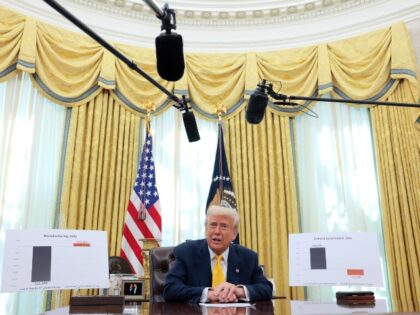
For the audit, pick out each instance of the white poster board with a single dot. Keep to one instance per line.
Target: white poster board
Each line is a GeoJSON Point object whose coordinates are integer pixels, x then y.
{"type": "Point", "coordinates": [334, 259]}
{"type": "Point", "coordinates": [54, 259]}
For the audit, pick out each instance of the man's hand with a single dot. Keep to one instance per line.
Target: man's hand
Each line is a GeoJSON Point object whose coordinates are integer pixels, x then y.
{"type": "Point", "coordinates": [226, 293]}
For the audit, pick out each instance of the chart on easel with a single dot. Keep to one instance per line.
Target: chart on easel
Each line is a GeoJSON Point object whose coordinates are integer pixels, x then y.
{"type": "Point", "coordinates": [334, 259]}
{"type": "Point", "coordinates": [54, 259]}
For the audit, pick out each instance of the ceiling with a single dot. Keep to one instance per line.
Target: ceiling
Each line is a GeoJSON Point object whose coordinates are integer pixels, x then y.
{"type": "Point", "coordinates": [235, 25]}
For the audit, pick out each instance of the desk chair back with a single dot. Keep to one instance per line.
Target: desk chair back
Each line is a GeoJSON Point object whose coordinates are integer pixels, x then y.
{"type": "Point", "coordinates": [161, 261]}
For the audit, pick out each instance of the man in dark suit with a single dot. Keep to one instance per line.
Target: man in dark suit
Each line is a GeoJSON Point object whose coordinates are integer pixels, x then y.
{"type": "Point", "coordinates": [214, 269]}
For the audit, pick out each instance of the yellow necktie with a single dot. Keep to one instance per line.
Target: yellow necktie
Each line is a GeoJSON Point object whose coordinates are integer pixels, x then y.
{"type": "Point", "coordinates": [218, 276]}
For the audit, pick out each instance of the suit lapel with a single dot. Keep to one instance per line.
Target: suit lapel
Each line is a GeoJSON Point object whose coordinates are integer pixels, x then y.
{"type": "Point", "coordinates": [203, 265]}
{"type": "Point", "coordinates": [234, 270]}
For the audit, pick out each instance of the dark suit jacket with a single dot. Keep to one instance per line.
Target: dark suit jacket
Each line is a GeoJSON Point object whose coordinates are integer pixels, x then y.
{"type": "Point", "coordinates": [191, 273]}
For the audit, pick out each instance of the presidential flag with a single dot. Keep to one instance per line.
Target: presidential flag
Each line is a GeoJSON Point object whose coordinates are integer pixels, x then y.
{"type": "Point", "coordinates": [143, 218]}
{"type": "Point", "coordinates": [221, 189]}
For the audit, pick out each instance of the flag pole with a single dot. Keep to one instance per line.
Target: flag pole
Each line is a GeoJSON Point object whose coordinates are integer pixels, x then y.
{"type": "Point", "coordinates": [150, 107]}
{"type": "Point", "coordinates": [221, 191]}
{"type": "Point", "coordinates": [220, 110]}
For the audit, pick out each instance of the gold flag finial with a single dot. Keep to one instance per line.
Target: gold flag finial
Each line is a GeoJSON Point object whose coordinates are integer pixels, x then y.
{"type": "Point", "coordinates": [220, 110]}
{"type": "Point", "coordinates": [150, 107]}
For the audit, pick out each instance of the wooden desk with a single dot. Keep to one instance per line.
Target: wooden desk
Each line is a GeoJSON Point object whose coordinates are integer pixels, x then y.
{"type": "Point", "coordinates": [260, 308]}
{"type": "Point", "coordinates": [276, 307]}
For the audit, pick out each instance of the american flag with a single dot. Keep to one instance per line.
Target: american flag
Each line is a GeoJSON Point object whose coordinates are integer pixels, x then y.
{"type": "Point", "coordinates": [143, 219]}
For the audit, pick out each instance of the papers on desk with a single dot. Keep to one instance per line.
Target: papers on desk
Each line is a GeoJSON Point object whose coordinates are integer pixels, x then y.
{"type": "Point", "coordinates": [227, 304]}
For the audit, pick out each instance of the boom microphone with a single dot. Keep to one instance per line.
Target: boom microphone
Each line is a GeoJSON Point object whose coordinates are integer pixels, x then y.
{"type": "Point", "coordinates": [170, 56]}
{"type": "Point", "coordinates": [257, 104]}
{"type": "Point", "coordinates": [259, 100]}
{"type": "Point", "coordinates": [190, 126]}
{"type": "Point", "coordinates": [169, 46]}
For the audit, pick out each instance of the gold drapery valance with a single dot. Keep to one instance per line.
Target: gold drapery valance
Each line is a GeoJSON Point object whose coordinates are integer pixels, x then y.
{"type": "Point", "coordinates": [71, 69]}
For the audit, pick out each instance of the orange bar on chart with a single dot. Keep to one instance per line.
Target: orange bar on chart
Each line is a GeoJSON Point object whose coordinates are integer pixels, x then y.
{"type": "Point", "coordinates": [355, 272]}
{"type": "Point", "coordinates": [81, 244]}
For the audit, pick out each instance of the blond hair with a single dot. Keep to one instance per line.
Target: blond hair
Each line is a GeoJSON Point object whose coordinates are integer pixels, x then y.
{"type": "Point", "coordinates": [220, 210]}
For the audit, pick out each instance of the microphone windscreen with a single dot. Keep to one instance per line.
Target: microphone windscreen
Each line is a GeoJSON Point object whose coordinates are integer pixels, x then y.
{"type": "Point", "coordinates": [256, 107]}
{"type": "Point", "coordinates": [190, 126]}
{"type": "Point", "coordinates": [170, 56]}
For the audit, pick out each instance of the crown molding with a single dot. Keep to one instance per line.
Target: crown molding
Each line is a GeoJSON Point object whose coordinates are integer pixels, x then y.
{"type": "Point", "coordinates": [341, 19]}
{"type": "Point", "coordinates": [228, 13]}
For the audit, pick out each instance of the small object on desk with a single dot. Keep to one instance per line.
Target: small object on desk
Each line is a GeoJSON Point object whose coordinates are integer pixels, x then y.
{"type": "Point", "coordinates": [95, 304]}
{"type": "Point", "coordinates": [355, 298]}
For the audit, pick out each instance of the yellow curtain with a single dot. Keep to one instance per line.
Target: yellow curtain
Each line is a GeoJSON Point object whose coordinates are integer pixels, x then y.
{"type": "Point", "coordinates": [133, 89]}
{"type": "Point", "coordinates": [398, 166]}
{"type": "Point", "coordinates": [100, 166]}
{"type": "Point", "coordinates": [292, 72]}
{"type": "Point", "coordinates": [11, 33]}
{"type": "Point", "coordinates": [261, 164]}
{"type": "Point", "coordinates": [215, 80]}
{"type": "Point", "coordinates": [415, 118]}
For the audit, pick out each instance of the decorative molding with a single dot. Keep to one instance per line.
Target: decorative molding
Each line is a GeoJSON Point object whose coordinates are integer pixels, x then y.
{"type": "Point", "coordinates": [193, 13]}
{"type": "Point", "coordinates": [233, 27]}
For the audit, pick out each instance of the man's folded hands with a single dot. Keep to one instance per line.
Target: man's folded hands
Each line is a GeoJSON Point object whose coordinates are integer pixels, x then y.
{"type": "Point", "coordinates": [226, 293]}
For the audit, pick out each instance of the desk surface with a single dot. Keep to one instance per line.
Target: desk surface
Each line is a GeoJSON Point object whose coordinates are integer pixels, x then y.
{"type": "Point", "coordinates": [277, 307]}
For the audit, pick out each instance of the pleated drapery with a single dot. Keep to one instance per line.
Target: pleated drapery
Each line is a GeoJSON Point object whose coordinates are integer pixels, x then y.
{"type": "Point", "coordinates": [398, 166]}
{"type": "Point", "coordinates": [108, 98]}
{"type": "Point", "coordinates": [262, 170]}
{"type": "Point", "coordinates": [100, 169]}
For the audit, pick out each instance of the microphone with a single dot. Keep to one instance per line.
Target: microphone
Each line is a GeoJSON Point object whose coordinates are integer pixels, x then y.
{"type": "Point", "coordinates": [169, 45]}
{"type": "Point", "coordinates": [189, 120]}
{"type": "Point", "coordinates": [257, 104]}
{"type": "Point", "coordinates": [170, 56]}
{"type": "Point", "coordinates": [190, 126]}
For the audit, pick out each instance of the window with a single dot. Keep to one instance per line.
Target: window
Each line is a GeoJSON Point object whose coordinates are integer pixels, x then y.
{"type": "Point", "coordinates": [337, 185]}
{"type": "Point", "coordinates": [30, 157]}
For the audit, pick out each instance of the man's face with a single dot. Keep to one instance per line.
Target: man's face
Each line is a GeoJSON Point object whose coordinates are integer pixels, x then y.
{"type": "Point", "coordinates": [220, 232]}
